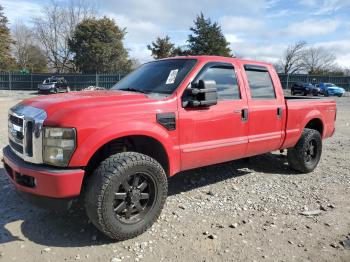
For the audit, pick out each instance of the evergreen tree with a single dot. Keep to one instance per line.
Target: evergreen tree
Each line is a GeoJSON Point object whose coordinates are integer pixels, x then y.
{"type": "Point", "coordinates": [161, 48]}
{"type": "Point", "coordinates": [207, 38]}
{"type": "Point", "coordinates": [6, 60]}
{"type": "Point", "coordinates": [98, 47]}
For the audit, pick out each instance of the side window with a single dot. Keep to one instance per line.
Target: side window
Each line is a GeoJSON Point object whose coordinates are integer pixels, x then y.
{"type": "Point", "coordinates": [226, 82]}
{"type": "Point", "coordinates": [260, 84]}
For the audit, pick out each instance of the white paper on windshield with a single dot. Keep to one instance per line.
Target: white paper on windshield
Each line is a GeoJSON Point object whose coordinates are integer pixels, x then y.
{"type": "Point", "coordinates": [172, 77]}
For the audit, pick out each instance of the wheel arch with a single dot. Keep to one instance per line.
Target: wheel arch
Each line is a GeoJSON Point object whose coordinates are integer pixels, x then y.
{"type": "Point", "coordinates": [316, 124]}
{"type": "Point", "coordinates": [144, 144]}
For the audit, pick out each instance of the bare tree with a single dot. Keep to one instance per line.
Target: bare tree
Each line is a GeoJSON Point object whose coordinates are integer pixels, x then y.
{"type": "Point", "coordinates": [317, 60]}
{"type": "Point", "coordinates": [292, 58]}
{"type": "Point", "coordinates": [23, 37]}
{"type": "Point", "coordinates": [54, 28]}
{"type": "Point", "coordinates": [347, 71]}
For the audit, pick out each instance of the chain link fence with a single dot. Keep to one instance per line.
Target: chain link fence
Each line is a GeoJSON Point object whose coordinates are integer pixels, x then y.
{"type": "Point", "coordinates": [13, 81]}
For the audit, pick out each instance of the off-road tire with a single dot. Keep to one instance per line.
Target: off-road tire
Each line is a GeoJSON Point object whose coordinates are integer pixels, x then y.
{"type": "Point", "coordinates": [297, 156]}
{"type": "Point", "coordinates": [100, 190]}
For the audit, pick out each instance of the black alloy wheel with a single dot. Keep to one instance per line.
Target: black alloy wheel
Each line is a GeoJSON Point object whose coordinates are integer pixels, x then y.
{"type": "Point", "coordinates": [310, 151]}
{"type": "Point", "coordinates": [134, 198]}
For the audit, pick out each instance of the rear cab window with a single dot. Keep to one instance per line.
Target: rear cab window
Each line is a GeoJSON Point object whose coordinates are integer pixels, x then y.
{"type": "Point", "coordinates": [260, 82]}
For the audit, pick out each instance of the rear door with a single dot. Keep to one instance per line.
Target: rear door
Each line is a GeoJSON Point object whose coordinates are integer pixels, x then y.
{"type": "Point", "coordinates": [266, 110]}
{"type": "Point", "coordinates": [217, 133]}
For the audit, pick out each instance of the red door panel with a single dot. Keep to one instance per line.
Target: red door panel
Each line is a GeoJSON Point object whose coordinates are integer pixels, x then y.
{"type": "Point", "coordinates": [212, 135]}
{"type": "Point", "coordinates": [266, 111]}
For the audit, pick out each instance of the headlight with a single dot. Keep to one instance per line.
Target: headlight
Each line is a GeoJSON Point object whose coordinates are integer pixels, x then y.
{"type": "Point", "coordinates": [58, 145]}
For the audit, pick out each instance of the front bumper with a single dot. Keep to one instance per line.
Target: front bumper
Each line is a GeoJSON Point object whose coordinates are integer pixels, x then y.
{"type": "Point", "coordinates": [41, 180]}
{"type": "Point", "coordinates": [335, 91]}
{"type": "Point", "coordinates": [45, 91]}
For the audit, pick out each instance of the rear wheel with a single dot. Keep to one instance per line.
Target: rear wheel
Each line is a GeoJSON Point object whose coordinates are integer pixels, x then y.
{"type": "Point", "coordinates": [126, 194]}
{"type": "Point", "coordinates": [306, 154]}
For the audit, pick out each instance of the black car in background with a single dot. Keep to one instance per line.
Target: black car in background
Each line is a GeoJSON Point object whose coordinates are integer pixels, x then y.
{"type": "Point", "coordinates": [53, 84]}
{"type": "Point", "coordinates": [304, 89]}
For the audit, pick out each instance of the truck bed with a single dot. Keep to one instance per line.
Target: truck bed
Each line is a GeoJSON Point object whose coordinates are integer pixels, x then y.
{"type": "Point", "coordinates": [299, 112]}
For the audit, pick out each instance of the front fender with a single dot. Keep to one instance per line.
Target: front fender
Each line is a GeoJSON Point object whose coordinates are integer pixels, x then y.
{"type": "Point", "coordinates": [99, 137]}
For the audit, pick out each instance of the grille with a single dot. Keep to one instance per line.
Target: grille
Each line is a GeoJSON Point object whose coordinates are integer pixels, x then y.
{"type": "Point", "coordinates": [16, 120]}
{"type": "Point", "coordinates": [21, 135]}
{"type": "Point", "coordinates": [25, 132]}
{"type": "Point", "coordinates": [16, 135]}
{"type": "Point", "coordinates": [17, 147]}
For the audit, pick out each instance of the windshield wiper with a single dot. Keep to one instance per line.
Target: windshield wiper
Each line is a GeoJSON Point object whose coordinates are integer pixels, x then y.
{"type": "Point", "coordinates": [133, 90]}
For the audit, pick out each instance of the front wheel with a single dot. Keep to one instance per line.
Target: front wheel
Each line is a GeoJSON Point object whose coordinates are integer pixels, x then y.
{"type": "Point", "coordinates": [126, 195]}
{"type": "Point", "coordinates": [306, 154]}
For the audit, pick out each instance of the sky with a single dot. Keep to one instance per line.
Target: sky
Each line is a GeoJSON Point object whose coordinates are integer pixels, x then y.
{"type": "Point", "coordinates": [259, 29]}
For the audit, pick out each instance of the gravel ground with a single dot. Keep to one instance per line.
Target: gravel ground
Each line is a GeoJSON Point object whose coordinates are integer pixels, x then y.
{"type": "Point", "coordinates": [236, 211]}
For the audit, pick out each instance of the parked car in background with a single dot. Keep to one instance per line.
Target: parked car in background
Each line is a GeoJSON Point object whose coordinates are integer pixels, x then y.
{"type": "Point", "coordinates": [304, 89]}
{"type": "Point", "coordinates": [53, 84]}
{"type": "Point", "coordinates": [329, 89]}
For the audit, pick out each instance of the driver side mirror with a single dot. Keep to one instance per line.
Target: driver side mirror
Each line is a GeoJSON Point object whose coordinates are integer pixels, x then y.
{"type": "Point", "coordinates": [201, 94]}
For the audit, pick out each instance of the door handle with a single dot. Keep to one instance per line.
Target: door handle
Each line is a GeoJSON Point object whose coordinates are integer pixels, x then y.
{"type": "Point", "coordinates": [244, 114]}
{"type": "Point", "coordinates": [279, 112]}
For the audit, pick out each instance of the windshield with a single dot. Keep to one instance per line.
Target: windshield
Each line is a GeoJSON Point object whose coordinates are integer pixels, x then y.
{"type": "Point", "coordinates": [50, 81]}
{"type": "Point", "coordinates": [161, 77]}
{"type": "Point", "coordinates": [329, 85]}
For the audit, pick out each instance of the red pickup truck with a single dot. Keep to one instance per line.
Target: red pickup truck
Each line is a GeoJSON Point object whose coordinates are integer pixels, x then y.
{"type": "Point", "coordinates": [117, 148]}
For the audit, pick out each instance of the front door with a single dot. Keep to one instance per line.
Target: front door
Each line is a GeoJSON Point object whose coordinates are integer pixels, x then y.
{"type": "Point", "coordinates": [217, 133]}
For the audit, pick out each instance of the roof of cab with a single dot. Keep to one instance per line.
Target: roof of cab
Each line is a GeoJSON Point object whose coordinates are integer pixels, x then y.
{"type": "Point", "coordinates": [220, 59]}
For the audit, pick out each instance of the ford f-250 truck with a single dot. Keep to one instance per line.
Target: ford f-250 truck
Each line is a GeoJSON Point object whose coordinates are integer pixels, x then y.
{"type": "Point", "coordinates": [116, 148]}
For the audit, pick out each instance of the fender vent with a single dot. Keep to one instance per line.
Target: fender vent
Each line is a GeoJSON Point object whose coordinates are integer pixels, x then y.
{"type": "Point", "coordinates": [167, 120]}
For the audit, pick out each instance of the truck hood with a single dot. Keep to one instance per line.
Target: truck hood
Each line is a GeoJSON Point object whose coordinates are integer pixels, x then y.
{"type": "Point", "coordinates": [74, 101]}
